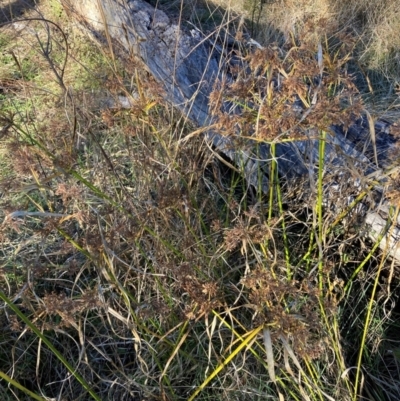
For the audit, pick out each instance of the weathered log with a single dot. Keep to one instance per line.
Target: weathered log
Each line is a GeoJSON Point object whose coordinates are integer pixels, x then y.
{"type": "Point", "coordinates": [187, 66]}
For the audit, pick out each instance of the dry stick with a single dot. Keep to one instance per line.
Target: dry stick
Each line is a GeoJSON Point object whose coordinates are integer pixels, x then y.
{"type": "Point", "coordinates": [46, 50]}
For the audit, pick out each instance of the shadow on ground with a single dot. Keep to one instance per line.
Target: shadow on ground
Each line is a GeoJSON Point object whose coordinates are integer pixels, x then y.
{"type": "Point", "coordinates": [11, 10]}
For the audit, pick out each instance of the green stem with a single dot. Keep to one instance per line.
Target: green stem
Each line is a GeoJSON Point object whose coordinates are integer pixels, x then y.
{"type": "Point", "coordinates": [20, 386]}
{"type": "Point", "coordinates": [319, 204]}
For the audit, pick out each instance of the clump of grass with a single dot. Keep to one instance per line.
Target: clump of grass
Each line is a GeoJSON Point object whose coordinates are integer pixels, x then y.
{"type": "Point", "coordinates": [373, 25]}
{"type": "Point", "coordinates": [135, 266]}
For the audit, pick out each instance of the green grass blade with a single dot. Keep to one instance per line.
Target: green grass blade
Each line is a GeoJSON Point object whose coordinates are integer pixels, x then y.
{"type": "Point", "coordinates": [370, 312]}
{"type": "Point", "coordinates": [249, 338]}
{"type": "Point", "coordinates": [20, 386]}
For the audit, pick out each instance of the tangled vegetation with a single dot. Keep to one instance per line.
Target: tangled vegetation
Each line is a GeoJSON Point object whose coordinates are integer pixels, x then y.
{"type": "Point", "coordinates": [136, 265]}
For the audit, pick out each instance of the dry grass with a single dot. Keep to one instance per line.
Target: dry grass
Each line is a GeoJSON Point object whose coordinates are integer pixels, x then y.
{"type": "Point", "coordinates": [373, 24]}
{"type": "Point", "coordinates": [151, 267]}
